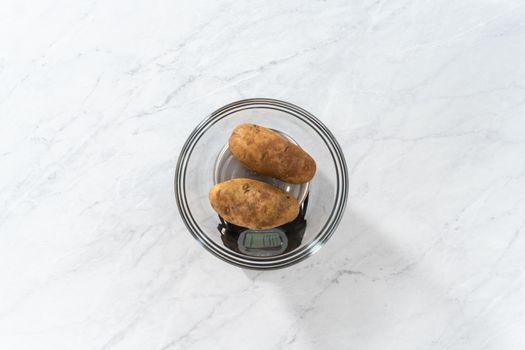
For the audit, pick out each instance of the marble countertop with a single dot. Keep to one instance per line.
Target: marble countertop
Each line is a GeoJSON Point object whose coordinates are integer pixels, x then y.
{"type": "Point", "coordinates": [427, 100]}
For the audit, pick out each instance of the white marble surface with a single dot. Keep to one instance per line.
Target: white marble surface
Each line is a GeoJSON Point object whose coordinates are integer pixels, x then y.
{"type": "Point", "coordinates": [427, 98]}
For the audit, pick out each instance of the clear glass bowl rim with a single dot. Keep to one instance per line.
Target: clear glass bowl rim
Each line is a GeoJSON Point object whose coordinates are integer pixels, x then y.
{"type": "Point", "coordinates": [341, 191]}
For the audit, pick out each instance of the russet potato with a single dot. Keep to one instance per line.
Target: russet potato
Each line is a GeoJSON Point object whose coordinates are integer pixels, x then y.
{"type": "Point", "coordinates": [253, 204]}
{"type": "Point", "coordinates": [266, 152]}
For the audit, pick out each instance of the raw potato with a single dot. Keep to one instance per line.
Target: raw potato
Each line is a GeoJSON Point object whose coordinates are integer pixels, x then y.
{"type": "Point", "coordinates": [253, 204]}
{"type": "Point", "coordinates": [266, 152]}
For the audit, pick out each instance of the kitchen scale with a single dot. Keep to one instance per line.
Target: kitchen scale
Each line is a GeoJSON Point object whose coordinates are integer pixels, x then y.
{"type": "Point", "coordinates": [261, 243]}
{"type": "Point", "coordinates": [265, 243]}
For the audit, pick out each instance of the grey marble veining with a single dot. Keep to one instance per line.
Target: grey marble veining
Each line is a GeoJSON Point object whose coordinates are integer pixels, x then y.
{"type": "Point", "coordinates": [426, 98]}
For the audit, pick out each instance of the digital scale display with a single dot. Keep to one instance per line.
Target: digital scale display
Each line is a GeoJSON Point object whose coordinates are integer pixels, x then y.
{"type": "Point", "coordinates": [262, 242]}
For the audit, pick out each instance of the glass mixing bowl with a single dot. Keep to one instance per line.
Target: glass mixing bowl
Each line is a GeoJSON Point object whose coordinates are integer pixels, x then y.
{"type": "Point", "coordinates": [205, 160]}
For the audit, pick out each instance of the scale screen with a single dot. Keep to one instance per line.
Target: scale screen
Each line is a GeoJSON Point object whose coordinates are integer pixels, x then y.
{"type": "Point", "coordinates": [262, 242]}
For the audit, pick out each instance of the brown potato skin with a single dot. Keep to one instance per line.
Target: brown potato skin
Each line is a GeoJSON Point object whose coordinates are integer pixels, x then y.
{"type": "Point", "coordinates": [253, 204]}
{"type": "Point", "coordinates": [266, 152]}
